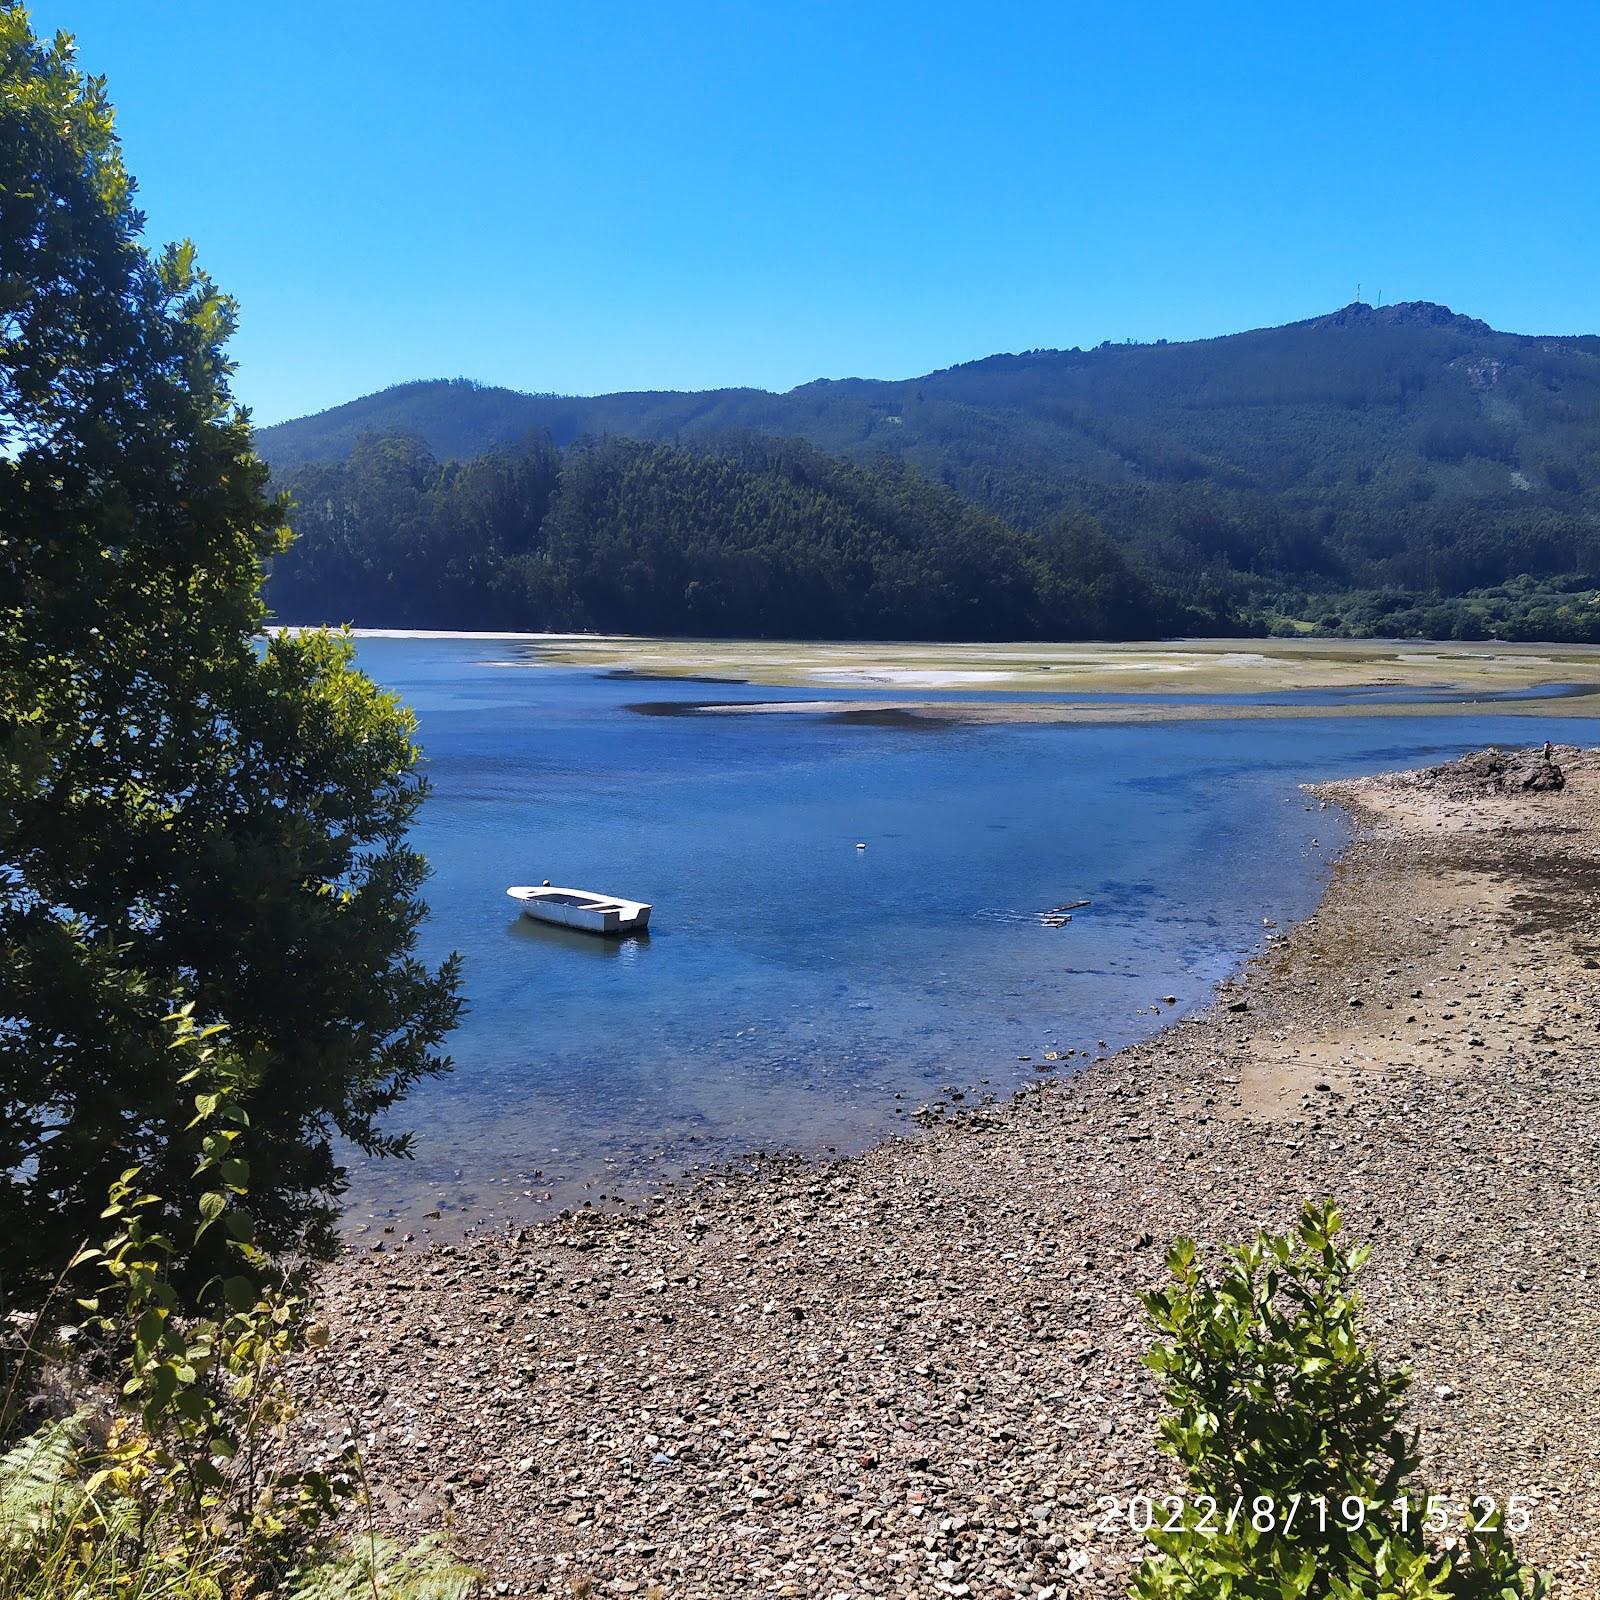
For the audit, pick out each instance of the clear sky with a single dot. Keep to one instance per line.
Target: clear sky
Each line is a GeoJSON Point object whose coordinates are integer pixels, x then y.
{"type": "Point", "coordinates": [590, 196]}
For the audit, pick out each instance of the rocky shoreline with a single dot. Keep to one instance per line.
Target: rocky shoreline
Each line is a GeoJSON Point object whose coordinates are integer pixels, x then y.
{"type": "Point", "coordinates": [915, 1372]}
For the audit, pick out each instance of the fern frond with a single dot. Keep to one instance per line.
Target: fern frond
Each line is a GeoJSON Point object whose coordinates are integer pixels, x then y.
{"type": "Point", "coordinates": [37, 1480]}
{"type": "Point", "coordinates": [380, 1567]}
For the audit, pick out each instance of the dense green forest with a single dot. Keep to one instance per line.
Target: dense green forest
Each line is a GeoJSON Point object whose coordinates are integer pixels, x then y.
{"type": "Point", "coordinates": [1403, 470]}
{"type": "Point", "coordinates": [757, 536]}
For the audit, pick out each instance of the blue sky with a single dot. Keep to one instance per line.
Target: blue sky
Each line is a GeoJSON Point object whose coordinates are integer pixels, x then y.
{"type": "Point", "coordinates": [594, 196]}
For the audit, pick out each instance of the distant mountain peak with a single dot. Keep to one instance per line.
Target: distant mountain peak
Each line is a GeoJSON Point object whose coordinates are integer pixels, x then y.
{"type": "Point", "coordinates": [1111, 414]}
{"type": "Point", "coordinates": [1403, 314]}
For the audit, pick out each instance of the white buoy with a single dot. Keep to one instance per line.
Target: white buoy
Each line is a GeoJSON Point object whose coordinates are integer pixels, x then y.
{"type": "Point", "coordinates": [861, 847]}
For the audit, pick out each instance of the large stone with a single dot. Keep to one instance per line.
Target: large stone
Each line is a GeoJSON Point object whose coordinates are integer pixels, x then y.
{"type": "Point", "coordinates": [1495, 772]}
{"type": "Point", "coordinates": [1540, 774]}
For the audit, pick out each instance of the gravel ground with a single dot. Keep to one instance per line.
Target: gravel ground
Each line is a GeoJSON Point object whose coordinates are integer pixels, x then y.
{"type": "Point", "coordinates": [914, 1372]}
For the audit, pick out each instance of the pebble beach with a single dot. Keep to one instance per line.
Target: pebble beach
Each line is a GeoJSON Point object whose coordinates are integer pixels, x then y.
{"type": "Point", "coordinates": [917, 1372]}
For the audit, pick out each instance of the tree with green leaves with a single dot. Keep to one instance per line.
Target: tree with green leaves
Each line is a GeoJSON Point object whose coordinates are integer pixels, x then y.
{"type": "Point", "coordinates": [188, 816]}
{"type": "Point", "coordinates": [1301, 1479]}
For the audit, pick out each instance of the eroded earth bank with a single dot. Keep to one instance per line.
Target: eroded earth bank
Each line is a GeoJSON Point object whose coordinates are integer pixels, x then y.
{"type": "Point", "coordinates": [916, 1372]}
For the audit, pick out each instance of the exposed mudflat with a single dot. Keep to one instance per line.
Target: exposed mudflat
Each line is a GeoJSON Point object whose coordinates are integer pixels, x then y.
{"type": "Point", "coordinates": [1198, 667]}
{"type": "Point", "coordinates": [933, 714]}
{"type": "Point", "coordinates": [915, 1372]}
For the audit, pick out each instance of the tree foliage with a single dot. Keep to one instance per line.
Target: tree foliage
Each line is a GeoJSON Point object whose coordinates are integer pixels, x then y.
{"type": "Point", "coordinates": [756, 536]}
{"type": "Point", "coordinates": [186, 816]}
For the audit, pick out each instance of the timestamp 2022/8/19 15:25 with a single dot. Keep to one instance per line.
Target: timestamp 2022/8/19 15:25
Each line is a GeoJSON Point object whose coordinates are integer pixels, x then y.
{"type": "Point", "coordinates": [1170, 1513]}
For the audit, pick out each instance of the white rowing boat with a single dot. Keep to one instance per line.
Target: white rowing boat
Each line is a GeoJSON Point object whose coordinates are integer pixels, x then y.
{"type": "Point", "coordinates": [579, 908]}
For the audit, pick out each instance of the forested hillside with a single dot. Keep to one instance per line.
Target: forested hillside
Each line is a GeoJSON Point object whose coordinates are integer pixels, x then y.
{"type": "Point", "coordinates": [1402, 470]}
{"type": "Point", "coordinates": [757, 536]}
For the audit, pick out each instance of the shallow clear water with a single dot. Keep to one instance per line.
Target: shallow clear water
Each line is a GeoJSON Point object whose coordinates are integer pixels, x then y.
{"type": "Point", "coordinates": [796, 992]}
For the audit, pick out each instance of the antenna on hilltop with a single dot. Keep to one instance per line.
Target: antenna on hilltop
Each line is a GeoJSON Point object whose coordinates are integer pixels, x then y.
{"type": "Point", "coordinates": [1379, 300]}
{"type": "Point", "coordinates": [1358, 294]}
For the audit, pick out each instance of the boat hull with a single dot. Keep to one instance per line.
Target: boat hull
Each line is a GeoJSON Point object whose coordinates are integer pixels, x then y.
{"type": "Point", "coordinates": [578, 908]}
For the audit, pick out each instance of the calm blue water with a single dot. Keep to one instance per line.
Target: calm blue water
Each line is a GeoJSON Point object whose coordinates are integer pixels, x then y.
{"type": "Point", "coordinates": [795, 992]}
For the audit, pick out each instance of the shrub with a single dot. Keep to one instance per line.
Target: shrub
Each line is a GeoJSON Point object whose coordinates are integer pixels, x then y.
{"type": "Point", "coordinates": [66, 1535]}
{"type": "Point", "coordinates": [182, 1488]}
{"type": "Point", "coordinates": [1301, 1480]}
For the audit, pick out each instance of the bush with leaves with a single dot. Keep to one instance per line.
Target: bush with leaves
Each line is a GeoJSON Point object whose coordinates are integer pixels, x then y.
{"type": "Point", "coordinates": [1301, 1479]}
{"type": "Point", "coordinates": [66, 1534]}
{"type": "Point", "coordinates": [201, 1367]}
{"type": "Point", "coordinates": [182, 1485]}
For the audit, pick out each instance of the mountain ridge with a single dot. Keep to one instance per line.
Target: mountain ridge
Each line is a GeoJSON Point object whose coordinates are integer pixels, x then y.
{"type": "Point", "coordinates": [1392, 402]}
{"type": "Point", "coordinates": [1345, 472]}
{"type": "Point", "coordinates": [1406, 313]}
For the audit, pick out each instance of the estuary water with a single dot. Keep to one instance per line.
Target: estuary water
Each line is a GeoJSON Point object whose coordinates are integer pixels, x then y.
{"type": "Point", "coordinates": [797, 992]}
